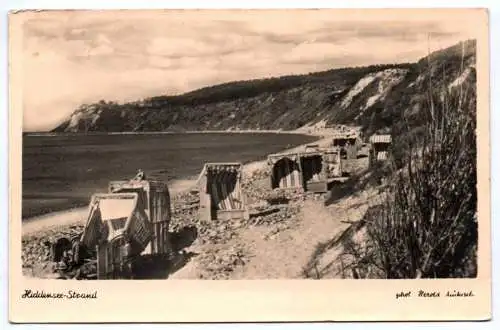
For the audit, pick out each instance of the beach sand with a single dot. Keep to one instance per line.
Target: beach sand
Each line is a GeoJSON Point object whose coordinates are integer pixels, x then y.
{"type": "Point", "coordinates": [270, 245]}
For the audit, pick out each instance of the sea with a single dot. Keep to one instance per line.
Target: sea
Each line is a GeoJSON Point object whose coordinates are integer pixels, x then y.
{"type": "Point", "coordinates": [63, 171]}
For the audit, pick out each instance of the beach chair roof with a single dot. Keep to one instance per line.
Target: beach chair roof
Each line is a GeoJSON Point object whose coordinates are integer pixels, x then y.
{"type": "Point", "coordinates": [222, 167]}
{"type": "Point", "coordinates": [108, 213]}
{"type": "Point", "coordinates": [218, 167]}
{"type": "Point", "coordinates": [274, 158]}
{"type": "Point", "coordinates": [311, 153]}
{"type": "Point", "coordinates": [382, 138]}
{"type": "Point", "coordinates": [137, 184]}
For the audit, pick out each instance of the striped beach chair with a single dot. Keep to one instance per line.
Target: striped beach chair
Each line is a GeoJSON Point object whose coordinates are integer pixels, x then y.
{"type": "Point", "coordinates": [314, 171]}
{"type": "Point", "coordinates": [286, 172]}
{"type": "Point", "coordinates": [220, 191]}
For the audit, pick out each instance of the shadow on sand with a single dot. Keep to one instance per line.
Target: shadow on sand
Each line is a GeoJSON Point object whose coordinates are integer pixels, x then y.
{"type": "Point", "coordinates": [337, 191]}
{"type": "Point", "coordinates": [162, 266]}
{"type": "Point", "coordinates": [357, 182]}
{"type": "Point", "coordinates": [311, 269]}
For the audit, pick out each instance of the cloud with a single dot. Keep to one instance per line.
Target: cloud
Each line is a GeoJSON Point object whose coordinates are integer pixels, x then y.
{"type": "Point", "coordinates": [74, 57]}
{"type": "Point", "coordinates": [311, 52]}
{"type": "Point", "coordinates": [179, 47]}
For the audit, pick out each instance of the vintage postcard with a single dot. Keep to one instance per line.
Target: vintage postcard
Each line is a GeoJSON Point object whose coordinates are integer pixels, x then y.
{"type": "Point", "coordinates": [249, 165]}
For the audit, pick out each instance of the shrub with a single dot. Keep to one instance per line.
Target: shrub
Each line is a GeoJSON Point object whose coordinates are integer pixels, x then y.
{"type": "Point", "coordinates": [427, 223]}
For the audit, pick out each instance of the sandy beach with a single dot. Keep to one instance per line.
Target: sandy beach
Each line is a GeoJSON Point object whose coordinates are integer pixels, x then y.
{"type": "Point", "coordinates": [237, 248]}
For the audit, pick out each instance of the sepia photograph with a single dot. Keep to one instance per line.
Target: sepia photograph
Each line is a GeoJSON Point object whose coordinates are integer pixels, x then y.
{"type": "Point", "coordinates": [248, 145]}
{"type": "Point", "coordinates": [227, 149]}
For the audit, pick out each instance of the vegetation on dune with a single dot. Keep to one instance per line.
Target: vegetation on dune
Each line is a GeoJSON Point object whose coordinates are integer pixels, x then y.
{"type": "Point", "coordinates": [250, 88]}
{"type": "Point", "coordinates": [426, 225]}
{"type": "Point", "coordinates": [404, 108]}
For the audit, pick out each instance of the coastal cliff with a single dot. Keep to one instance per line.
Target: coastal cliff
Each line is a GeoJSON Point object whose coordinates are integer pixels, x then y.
{"type": "Point", "coordinates": [374, 97]}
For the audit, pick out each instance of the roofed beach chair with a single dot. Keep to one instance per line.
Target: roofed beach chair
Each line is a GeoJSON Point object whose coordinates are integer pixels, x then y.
{"type": "Point", "coordinates": [118, 230]}
{"type": "Point", "coordinates": [221, 195]}
{"type": "Point", "coordinates": [286, 172]}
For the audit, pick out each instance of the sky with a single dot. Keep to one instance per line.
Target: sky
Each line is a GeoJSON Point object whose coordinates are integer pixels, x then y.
{"type": "Point", "coordinates": [74, 57]}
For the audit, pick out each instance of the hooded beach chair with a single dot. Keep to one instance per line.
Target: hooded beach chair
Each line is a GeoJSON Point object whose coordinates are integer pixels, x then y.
{"type": "Point", "coordinates": [380, 144]}
{"type": "Point", "coordinates": [301, 170]}
{"type": "Point", "coordinates": [118, 230]}
{"type": "Point", "coordinates": [286, 171]}
{"type": "Point", "coordinates": [314, 171]}
{"type": "Point", "coordinates": [154, 199]}
{"type": "Point", "coordinates": [221, 195]}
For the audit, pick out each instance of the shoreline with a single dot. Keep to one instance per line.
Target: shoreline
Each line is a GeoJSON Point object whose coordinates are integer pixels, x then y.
{"type": "Point", "coordinates": [300, 131]}
{"type": "Point", "coordinates": [78, 215]}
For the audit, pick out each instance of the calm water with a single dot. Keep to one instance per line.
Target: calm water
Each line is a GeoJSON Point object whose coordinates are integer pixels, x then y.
{"type": "Point", "coordinates": [60, 172]}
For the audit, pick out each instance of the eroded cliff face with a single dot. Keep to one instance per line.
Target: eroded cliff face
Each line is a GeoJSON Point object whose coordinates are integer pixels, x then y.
{"type": "Point", "coordinates": [374, 97]}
